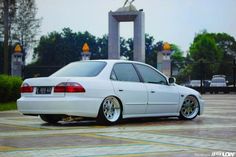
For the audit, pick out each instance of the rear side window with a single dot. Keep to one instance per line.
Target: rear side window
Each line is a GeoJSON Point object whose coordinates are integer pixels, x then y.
{"type": "Point", "coordinates": [149, 75]}
{"type": "Point", "coordinates": [124, 72]}
{"type": "Point", "coordinates": [81, 69]}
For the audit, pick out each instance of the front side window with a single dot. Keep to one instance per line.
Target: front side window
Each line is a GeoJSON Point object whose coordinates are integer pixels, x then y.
{"type": "Point", "coordinates": [124, 72]}
{"type": "Point", "coordinates": [149, 75]}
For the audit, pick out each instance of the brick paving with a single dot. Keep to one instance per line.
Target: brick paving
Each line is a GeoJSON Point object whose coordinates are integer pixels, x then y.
{"type": "Point", "coordinates": [215, 131]}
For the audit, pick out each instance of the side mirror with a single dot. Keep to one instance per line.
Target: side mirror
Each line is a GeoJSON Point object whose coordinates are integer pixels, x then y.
{"type": "Point", "coordinates": [172, 80]}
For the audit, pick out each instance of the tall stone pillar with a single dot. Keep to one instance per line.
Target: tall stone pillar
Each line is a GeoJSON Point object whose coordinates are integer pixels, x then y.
{"type": "Point", "coordinates": [114, 33]}
{"type": "Point", "coordinates": [113, 38]}
{"type": "Point", "coordinates": [139, 38]}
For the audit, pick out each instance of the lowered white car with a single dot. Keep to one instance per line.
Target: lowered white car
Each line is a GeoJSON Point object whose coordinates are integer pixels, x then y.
{"type": "Point", "coordinates": [108, 90]}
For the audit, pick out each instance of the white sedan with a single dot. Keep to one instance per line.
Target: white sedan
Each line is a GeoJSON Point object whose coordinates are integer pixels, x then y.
{"type": "Point", "coordinates": [108, 90]}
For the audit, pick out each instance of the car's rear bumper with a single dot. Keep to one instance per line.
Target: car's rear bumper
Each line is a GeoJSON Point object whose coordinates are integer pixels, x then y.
{"type": "Point", "coordinates": [84, 107]}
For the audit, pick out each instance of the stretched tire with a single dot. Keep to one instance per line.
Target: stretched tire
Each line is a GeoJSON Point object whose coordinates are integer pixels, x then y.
{"type": "Point", "coordinates": [110, 111]}
{"type": "Point", "coordinates": [51, 118]}
{"type": "Point", "coordinates": [190, 108]}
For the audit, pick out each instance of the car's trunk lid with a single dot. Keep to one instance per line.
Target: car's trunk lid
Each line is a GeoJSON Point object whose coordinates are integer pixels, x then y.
{"type": "Point", "coordinates": [44, 86]}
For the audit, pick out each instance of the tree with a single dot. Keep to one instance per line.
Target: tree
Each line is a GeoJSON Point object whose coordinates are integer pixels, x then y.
{"type": "Point", "coordinates": [65, 47]}
{"type": "Point", "coordinates": [124, 50]}
{"type": "Point", "coordinates": [227, 45]}
{"type": "Point", "coordinates": [130, 47]}
{"type": "Point", "coordinates": [150, 53]}
{"type": "Point", "coordinates": [26, 25]}
{"type": "Point", "coordinates": [1, 57]}
{"type": "Point", "coordinates": [177, 57]}
{"type": "Point", "coordinates": [102, 44]}
{"type": "Point", "coordinates": [206, 55]}
{"type": "Point", "coordinates": [7, 14]}
{"type": "Point", "coordinates": [18, 23]}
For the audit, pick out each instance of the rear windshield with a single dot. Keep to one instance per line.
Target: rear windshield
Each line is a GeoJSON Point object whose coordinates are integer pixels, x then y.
{"type": "Point", "coordinates": [80, 69]}
{"type": "Point", "coordinates": [218, 80]}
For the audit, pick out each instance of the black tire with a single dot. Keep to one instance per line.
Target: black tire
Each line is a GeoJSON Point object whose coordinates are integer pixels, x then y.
{"type": "Point", "coordinates": [190, 108]}
{"type": "Point", "coordinates": [110, 111]}
{"type": "Point", "coordinates": [53, 119]}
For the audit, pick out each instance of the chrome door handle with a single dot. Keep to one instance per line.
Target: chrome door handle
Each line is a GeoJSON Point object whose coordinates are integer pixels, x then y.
{"type": "Point", "coordinates": [152, 91]}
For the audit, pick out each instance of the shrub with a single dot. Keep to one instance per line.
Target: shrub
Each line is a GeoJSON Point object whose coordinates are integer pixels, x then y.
{"type": "Point", "coordinates": [9, 88]}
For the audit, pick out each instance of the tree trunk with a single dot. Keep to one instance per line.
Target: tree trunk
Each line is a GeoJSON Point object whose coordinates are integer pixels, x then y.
{"type": "Point", "coordinates": [6, 36]}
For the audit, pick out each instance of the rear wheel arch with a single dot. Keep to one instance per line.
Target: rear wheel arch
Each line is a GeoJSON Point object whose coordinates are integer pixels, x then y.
{"type": "Point", "coordinates": [121, 103]}
{"type": "Point", "coordinates": [101, 117]}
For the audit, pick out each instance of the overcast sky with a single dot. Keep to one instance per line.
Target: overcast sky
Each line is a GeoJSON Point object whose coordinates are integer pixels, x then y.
{"type": "Point", "coordinates": [174, 21]}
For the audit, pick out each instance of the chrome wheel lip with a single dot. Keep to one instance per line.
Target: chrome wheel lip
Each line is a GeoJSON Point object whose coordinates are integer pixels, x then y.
{"type": "Point", "coordinates": [190, 107]}
{"type": "Point", "coordinates": [111, 109]}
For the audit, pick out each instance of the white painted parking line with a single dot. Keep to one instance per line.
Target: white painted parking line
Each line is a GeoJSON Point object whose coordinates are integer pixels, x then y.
{"type": "Point", "coordinates": [93, 151]}
{"type": "Point", "coordinates": [180, 141]}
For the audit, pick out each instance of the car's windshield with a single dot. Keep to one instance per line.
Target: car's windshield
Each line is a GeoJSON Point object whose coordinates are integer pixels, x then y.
{"type": "Point", "coordinates": [81, 69]}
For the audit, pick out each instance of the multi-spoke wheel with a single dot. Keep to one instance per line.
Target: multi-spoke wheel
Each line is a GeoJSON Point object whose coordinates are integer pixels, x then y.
{"type": "Point", "coordinates": [110, 111]}
{"type": "Point", "coordinates": [190, 108]}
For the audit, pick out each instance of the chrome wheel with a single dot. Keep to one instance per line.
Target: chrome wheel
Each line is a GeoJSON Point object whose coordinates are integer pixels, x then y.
{"type": "Point", "coordinates": [111, 109]}
{"type": "Point", "coordinates": [190, 108]}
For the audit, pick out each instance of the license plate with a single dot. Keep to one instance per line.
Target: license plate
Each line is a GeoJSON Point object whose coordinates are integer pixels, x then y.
{"type": "Point", "coordinates": [43, 90]}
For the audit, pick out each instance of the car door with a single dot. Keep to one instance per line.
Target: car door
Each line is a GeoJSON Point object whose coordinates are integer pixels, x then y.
{"type": "Point", "coordinates": [162, 97]}
{"type": "Point", "coordinates": [129, 89]}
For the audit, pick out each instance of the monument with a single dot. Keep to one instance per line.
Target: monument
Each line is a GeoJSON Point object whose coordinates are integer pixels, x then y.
{"type": "Point", "coordinates": [163, 59]}
{"type": "Point", "coordinates": [127, 13]}
{"type": "Point", "coordinates": [85, 54]}
{"type": "Point", "coordinates": [17, 61]}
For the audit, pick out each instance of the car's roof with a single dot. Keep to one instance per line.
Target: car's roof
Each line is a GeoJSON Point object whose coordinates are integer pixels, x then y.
{"type": "Point", "coordinates": [113, 61]}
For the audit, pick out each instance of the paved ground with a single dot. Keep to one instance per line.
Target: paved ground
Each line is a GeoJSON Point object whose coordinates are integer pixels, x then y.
{"type": "Point", "coordinates": [213, 134]}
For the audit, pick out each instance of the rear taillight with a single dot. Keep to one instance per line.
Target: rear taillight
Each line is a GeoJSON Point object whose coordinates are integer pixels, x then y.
{"type": "Point", "coordinates": [26, 88]}
{"type": "Point", "coordinates": [69, 87]}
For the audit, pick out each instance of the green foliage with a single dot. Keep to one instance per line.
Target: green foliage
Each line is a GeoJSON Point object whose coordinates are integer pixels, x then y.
{"type": "Point", "coordinates": [206, 54]}
{"type": "Point", "coordinates": [59, 49]}
{"type": "Point", "coordinates": [210, 54]}
{"type": "Point", "coordinates": [8, 106]}
{"type": "Point", "coordinates": [204, 48]}
{"type": "Point", "coordinates": [177, 57]}
{"type": "Point", "coordinates": [227, 45]}
{"type": "Point", "coordinates": [150, 50]}
{"type": "Point", "coordinates": [1, 57]}
{"type": "Point", "coordinates": [22, 24]}
{"type": "Point", "coordinates": [9, 88]}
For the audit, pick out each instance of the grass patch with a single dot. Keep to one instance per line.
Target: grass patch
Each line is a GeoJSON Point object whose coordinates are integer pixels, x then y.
{"type": "Point", "coordinates": [8, 106]}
